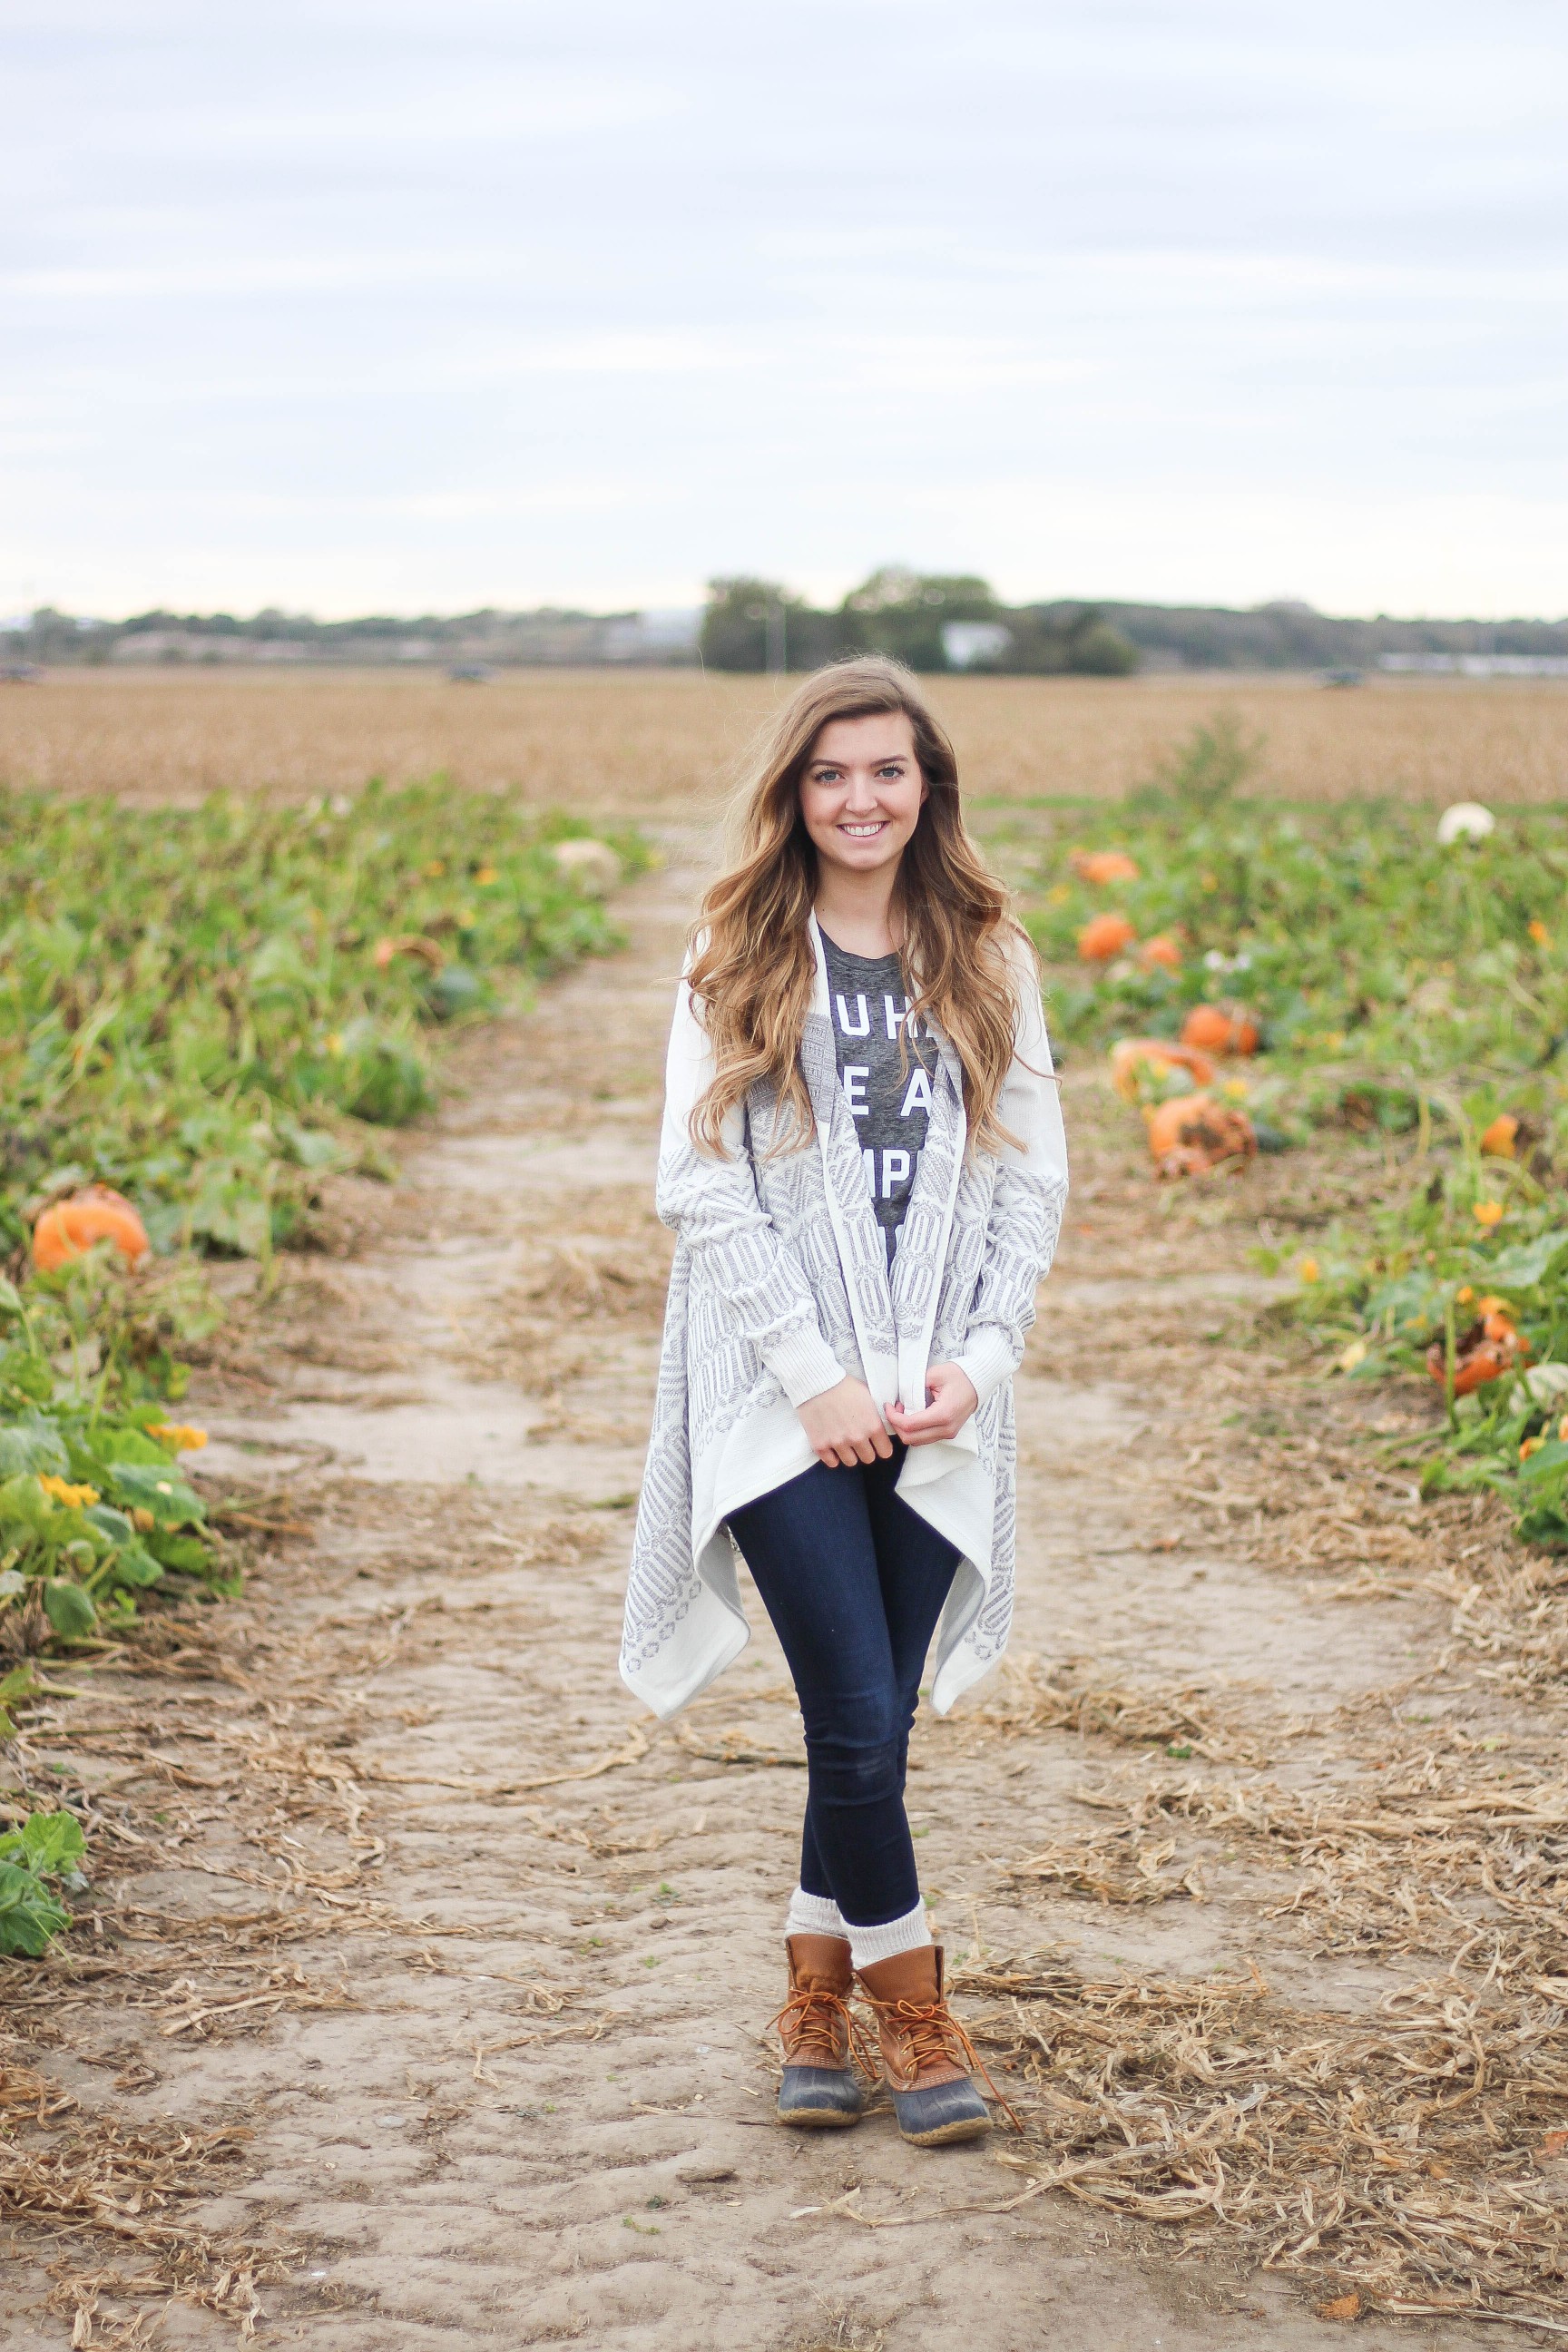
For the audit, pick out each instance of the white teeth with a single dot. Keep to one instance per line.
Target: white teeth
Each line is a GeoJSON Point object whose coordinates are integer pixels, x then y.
{"type": "Point", "coordinates": [861, 831]}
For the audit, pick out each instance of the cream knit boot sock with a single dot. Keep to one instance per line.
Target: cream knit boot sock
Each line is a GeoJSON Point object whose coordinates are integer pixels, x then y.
{"type": "Point", "coordinates": [868, 1944]}
{"type": "Point", "coordinates": [814, 1914]}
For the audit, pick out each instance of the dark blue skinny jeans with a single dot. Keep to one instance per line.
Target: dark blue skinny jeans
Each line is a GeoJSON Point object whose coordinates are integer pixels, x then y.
{"type": "Point", "coordinates": [854, 1581]}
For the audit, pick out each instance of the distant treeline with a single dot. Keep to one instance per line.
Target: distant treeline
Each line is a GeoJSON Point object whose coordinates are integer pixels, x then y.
{"type": "Point", "coordinates": [489, 637]}
{"type": "Point", "coordinates": [934, 620]}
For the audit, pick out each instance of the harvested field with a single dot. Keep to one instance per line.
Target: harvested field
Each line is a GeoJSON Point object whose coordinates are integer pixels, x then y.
{"type": "Point", "coordinates": [420, 1998]}
{"type": "Point", "coordinates": [647, 742]}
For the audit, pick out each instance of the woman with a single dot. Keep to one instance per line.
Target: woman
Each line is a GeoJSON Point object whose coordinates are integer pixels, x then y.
{"type": "Point", "coordinates": [863, 1161]}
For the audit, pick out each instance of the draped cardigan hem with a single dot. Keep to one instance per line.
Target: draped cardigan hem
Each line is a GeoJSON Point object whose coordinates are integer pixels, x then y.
{"type": "Point", "coordinates": [780, 1286]}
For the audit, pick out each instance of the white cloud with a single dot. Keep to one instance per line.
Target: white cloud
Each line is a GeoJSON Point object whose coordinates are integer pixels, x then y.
{"type": "Point", "coordinates": [493, 301]}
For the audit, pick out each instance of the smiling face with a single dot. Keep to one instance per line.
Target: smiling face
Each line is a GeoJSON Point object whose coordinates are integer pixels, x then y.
{"type": "Point", "coordinates": [861, 794]}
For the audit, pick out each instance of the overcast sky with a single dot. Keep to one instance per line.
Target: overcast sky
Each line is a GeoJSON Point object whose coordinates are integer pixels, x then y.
{"type": "Point", "coordinates": [426, 304]}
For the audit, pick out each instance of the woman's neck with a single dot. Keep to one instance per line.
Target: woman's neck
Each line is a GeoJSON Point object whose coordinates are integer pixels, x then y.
{"type": "Point", "coordinates": [856, 910]}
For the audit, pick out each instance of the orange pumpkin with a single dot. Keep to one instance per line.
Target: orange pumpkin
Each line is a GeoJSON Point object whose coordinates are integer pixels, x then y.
{"type": "Point", "coordinates": [1484, 1352]}
{"type": "Point", "coordinates": [1500, 1139]}
{"type": "Point", "coordinates": [1193, 1133]}
{"type": "Point", "coordinates": [1131, 1055]}
{"type": "Point", "coordinates": [1104, 936]}
{"type": "Point", "coordinates": [69, 1228]}
{"type": "Point", "coordinates": [1103, 865]}
{"type": "Point", "coordinates": [1164, 949]}
{"type": "Point", "coordinates": [1220, 1029]}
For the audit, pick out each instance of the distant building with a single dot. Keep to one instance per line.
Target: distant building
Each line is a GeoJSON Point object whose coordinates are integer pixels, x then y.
{"type": "Point", "coordinates": [967, 643]}
{"type": "Point", "coordinates": [1478, 664]}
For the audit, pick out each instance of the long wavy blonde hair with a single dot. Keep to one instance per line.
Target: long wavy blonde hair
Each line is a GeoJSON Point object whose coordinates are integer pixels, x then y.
{"type": "Point", "coordinates": [752, 968]}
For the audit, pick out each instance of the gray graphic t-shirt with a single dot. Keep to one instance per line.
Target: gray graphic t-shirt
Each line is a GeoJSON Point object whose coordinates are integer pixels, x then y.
{"type": "Point", "coordinates": [888, 1087]}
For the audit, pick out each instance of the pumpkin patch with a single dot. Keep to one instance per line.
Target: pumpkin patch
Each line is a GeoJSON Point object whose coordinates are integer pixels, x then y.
{"type": "Point", "coordinates": [1390, 983]}
{"type": "Point", "coordinates": [1163, 953]}
{"type": "Point", "coordinates": [1220, 1029]}
{"type": "Point", "coordinates": [208, 1010]}
{"type": "Point", "coordinates": [1191, 1135]}
{"type": "Point", "coordinates": [70, 1228]}
{"type": "Point", "coordinates": [1103, 937]}
{"type": "Point", "coordinates": [1103, 866]}
{"type": "Point", "coordinates": [1136, 1061]}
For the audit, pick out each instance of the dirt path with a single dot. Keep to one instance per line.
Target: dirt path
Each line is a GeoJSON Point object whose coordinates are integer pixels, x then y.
{"type": "Point", "coordinates": [403, 1885]}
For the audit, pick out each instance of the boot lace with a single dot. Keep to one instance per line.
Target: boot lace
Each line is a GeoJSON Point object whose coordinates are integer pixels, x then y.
{"type": "Point", "coordinates": [808, 2025]}
{"type": "Point", "coordinates": [933, 2037]}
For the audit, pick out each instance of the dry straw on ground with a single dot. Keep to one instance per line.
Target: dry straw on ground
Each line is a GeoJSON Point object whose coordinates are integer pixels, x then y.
{"type": "Point", "coordinates": [666, 743]}
{"type": "Point", "coordinates": [1415, 2157]}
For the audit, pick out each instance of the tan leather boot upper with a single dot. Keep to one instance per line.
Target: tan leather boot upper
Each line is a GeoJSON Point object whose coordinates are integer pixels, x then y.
{"type": "Point", "coordinates": [814, 2024]}
{"type": "Point", "coordinates": [922, 2041]}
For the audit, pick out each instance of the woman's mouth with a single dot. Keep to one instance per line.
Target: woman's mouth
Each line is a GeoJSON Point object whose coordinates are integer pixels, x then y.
{"type": "Point", "coordinates": [866, 832]}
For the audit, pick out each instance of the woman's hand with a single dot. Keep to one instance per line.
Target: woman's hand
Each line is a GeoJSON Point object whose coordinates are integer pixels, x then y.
{"type": "Point", "coordinates": [844, 1426]}
{"type": "Point", "coordinates": [951, 1398]}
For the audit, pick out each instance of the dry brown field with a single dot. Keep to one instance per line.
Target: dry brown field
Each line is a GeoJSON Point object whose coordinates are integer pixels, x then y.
{"type": "Point", "coordinates": [637, 743]}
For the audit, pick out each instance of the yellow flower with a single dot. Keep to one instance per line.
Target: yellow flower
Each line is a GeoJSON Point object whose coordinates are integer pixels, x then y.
{"type": "Point", "coordinates": [1351, 1356]}
{"type": "Point", "coordinates": [1308, 1270]}
{"type": "Point", "coordinates": [1531, 1445]}
{"type": "Point", "coordinates": [1539, 934]}
{"type": "Point", "coordinates": [1235, 1090]}
{"type": "Point", "coordinates": [179, 1435]}
{"type": "Point", "coordinates": [1563, 1431]}
{"type": "Point", "coordinates": [1058, 896]}
{"type": "Point", "coordinates": [74, 1498]}
{"type": "Point", "coordinates": [1487, 1212]}
{"type": "Point", "coordinates": [436, 867]}
{"type": "Point", "coordinates": [1463, 1296]}
{"type": "Point", "coordinates": [486, 874]}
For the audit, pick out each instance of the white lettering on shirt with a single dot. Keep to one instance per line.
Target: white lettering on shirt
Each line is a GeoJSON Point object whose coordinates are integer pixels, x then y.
{"type": "Point", "coordinates": [862, 1028]}
{"type": "Point", "coordinates": [919, 1095]}
{"type": "Point", "coordinates": [868, 1162]}
{"type": "Point", "coordinates": [855, 1076]}
{"type": "Point", "coordinates": [895, 1172]}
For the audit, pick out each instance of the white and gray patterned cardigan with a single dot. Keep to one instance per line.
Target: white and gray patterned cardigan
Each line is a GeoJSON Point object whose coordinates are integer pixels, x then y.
{"type": "Point", "coordinates": [780, 1286]}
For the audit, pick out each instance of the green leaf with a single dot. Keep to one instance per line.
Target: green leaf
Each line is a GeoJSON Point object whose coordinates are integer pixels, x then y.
{"type": "Point", "coordinates": [1526, 1267]}
{"type": "Point", "coordinates": [189, 1554]}
{"type": "Point", "coordinates": [69, 1609]}
{"type": "Point", "coordinates": [158, 1489]}
{"type": "Point", "coordinates": [1548, 1462]}
{"type": "Point", "coordinates": [30, 1916]}
{"type": "Point", "coordinates": [29, 1373]}
{"type": "Point", "coordinates": [24, 1505]}
{"type": "Point", "coordinates": [32, 1444]}
{"type": "Point", "coordinates": [133, 1564]}
{"type": "Point", "coordinates": [117, 1445]}
{"type": "Point", "coordinates": [51, 1844]}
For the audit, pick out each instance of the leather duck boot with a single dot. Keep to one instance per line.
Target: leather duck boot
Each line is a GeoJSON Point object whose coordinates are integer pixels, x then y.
{"type": "Point", "coordinates": [927, 2056]}
{"type": "Point", "coordinates": [823, 2041]}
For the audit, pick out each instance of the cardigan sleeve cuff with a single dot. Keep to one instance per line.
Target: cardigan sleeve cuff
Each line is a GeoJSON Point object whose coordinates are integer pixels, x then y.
{"type": "Point", "coordinates": [988, 1360]}
{"type": "Point", "coordinates": [803, 1363]}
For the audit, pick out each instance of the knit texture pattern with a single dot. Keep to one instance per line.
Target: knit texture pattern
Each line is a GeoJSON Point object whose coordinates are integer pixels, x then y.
{"type": "Point", "coordinates": [767, 1266]}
